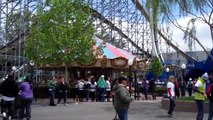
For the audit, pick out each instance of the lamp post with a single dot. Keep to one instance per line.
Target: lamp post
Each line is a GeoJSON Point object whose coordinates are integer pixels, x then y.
{"type": "Point", "coordinates": [183, 66]}
{"type": "Point", "coordinates": [130, 62]}
{"type": "Point", "coordinates": [135, 85]}
{"type": "Point", "coordinates": [31, 77]}
{"type": "Point", "coordinates": [167, 73]}
{"type": "Point", "coordinates": [182, 86]}
{"type": "Point", "coordinates": [31, 65]}
{"type": "Point", "coordinates": [14, 68]}
{"type": "Point", "coordinates": [14, 71]}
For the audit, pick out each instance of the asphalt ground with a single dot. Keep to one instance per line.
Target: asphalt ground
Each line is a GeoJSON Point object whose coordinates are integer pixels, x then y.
{"type": "Point", "coordinates": [139, 110]}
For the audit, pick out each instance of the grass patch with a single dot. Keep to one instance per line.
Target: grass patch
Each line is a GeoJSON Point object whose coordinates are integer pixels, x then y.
{"type": "Point", "coordinates": [188, 99]}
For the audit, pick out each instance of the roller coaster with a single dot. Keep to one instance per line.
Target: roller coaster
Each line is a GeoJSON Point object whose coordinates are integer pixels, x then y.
{"type": "Point", "coordinates": [123, 20]}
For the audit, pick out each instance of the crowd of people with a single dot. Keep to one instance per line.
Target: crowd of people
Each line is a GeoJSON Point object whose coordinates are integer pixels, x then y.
{"type": "Point", "coordinates": [16, 98]}
{"type": "Point", "coordinates": [99, 90]}
{"type": "Point", "coordinates": [200, 89]}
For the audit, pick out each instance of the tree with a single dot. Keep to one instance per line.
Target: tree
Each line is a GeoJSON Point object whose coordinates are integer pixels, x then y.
{"type": "Point", "coordinates": [155, 67]}
{"type": "Point", "coordinates": [164, 10]}
{"type": "Point", "coordinates": [61, 34]}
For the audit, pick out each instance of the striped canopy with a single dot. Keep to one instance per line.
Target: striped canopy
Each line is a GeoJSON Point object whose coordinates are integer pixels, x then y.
{"type": "Point", "coordinates": [111, 52]}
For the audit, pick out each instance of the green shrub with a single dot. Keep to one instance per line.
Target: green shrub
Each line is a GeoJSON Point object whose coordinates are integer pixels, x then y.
{"type": "Point", "coordinates": [159, 91]}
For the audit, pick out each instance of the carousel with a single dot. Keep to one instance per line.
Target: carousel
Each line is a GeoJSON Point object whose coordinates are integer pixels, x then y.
{"type": "Point", "coordinates": [111, 63]}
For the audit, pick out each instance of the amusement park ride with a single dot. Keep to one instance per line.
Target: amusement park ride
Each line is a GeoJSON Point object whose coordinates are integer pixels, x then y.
{"type": "Point", "coordinates": [120, 19]}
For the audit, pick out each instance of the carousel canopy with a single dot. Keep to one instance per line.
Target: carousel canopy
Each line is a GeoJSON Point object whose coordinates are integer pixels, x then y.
{"type": "Point", "coordinates": [111, 51]}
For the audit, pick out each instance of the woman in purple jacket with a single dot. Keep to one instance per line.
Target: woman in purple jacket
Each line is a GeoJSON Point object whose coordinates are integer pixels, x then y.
{"type": "Point", "coordinates": [26, 90]}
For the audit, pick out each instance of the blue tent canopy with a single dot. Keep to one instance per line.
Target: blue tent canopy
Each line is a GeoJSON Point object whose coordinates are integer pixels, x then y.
{"type": "Point", "coordinates": [208, 65]}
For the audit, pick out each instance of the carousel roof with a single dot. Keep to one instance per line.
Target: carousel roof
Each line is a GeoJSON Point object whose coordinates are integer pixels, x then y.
{"type": "Point", "coordinates": [111, 51]}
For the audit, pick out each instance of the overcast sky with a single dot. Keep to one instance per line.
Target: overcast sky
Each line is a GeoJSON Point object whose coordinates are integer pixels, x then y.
{"type": "Point", "coordinates": [203, 34]}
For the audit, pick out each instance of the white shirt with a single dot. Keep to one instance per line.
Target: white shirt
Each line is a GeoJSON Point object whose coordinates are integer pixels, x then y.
{"type": "Point", "coordinates": [199, 84]}
{"type": "Point", "coordinates": [108, 86]}
{"type": "Point", "coordinates": [172, 87]}
{"type": "Point", "coordinates": [93, 87]}
{"type": "Point", "coordinates": [80, 85]}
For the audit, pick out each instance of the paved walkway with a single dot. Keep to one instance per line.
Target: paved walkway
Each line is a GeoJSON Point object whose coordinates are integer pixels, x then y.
{"type": "Point", "coordinates": [139, 110]}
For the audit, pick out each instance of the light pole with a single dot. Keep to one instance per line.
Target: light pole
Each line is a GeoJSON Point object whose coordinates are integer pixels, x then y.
{"type": "Point", "coordinates": [135, 85]}
{"type": "Point", "coordinates": [183, 66]}
{"type": "Point", "coordinates": [130, 62]}
{"type": "Point", "coordinates": [14, 68]}
{"type": "Point", "coordinates": [167, 73]}
{"type": "Point", "coordinates": [31, 65]}
{"type": "Point", "coordinates": [31, 77]}
{"type": "Point", "coordinates": [14, 71]}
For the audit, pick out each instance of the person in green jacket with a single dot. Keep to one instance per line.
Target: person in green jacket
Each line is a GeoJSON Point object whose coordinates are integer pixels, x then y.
{"type": "Point", "coordinates": [101, 88]}
{"type": "Point", "coordinates": [51, 85]}
{"type": "Point", "coordinates": [200, 95]}
{"type": "Point", "coordinates": [122, 98]}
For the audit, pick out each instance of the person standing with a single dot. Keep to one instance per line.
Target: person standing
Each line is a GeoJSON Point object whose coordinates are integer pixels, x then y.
{"type": "Point", "coordinates": [108, 89]}
{"type": "Point", "coordinates": [51, 85]}
{"type": "Point", "coordinates": [200, 95]}
{"type": "Point", "coordinates": [189, 86]}
{"type": "Point", "coordinates": [93, 89]}
{"type": "Point", "coordinates": [171, 95]}
{"type": "Point", "coordinates": [62, 91]}
{"type": "Point", "coordinates": [177, 91]}
{"type": "Point", "coordinates": [26, 90]}
{"type": "Point", "coordinates": [209, 94]}
{"type": "Point", "coordinates": [122, 98]}
{"type": "Point", "coordinates": [87, 87]}
{"type": "Point", "coordinates": [101, 88]}
{"type": "Point", "coordinates": [80, 87]}
{"type": "Point", "coordinates": [9, 90]}
{"type": "Point", "coordinates": [182, 86]}
{"type": "Point", "coordinates": [145, 86]}
{"type": "Point", "coordinates": [152, 88]}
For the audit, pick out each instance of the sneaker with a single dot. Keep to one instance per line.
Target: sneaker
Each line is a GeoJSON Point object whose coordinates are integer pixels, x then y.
{"type": "Point", "coordinates": [52, 105]}
{"type": "Point", "coordinates": [65, 104]}
{"type": "Point", "coordinates": [170, 115]}
{"type": "Point", "coordinates": [4, 116]}
{"type": "Point", "coordinates": [58, 105]}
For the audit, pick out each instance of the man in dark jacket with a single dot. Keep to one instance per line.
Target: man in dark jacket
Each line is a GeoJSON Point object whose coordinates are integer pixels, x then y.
{"type": "Point", "coordinates": [152, 88]}
{"type": "Point", "coordinates": [62, 91]}
{"type": "Point", "coordinates": [122, 98]}
{"type": "Point", "coordinates": [9, 90]}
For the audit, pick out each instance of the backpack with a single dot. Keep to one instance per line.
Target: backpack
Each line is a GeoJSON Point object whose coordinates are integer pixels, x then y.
{"type": "Point", "coordinates": [190, 84]}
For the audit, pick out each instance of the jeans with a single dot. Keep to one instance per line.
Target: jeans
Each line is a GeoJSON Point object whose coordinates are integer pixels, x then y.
{"type": "Point", "coordinates": [87, 94]}
{"type": "Point", "coordinates": [92, 96]}
{"type": "Point", "coordinates": [52, 96]}
{"type": "Point", "coordinates": [200, 108]}
{"type": "Point", "coordinates": [7, 107]}
{"type": "Point", "coordinates": [25, 106]}
{"type": "Point", "coordinates": [62, 95]}
{"type": "Point", "coordinates": [122, 114]}
{"type": "Point", "coordinates": [101, 93]}
{"type": "Point", "coordinates": [190, 91]}
{"type": "Point", "coordinates": [172, 105]}
{"type": "Point", "coordinates": [210, 111]}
